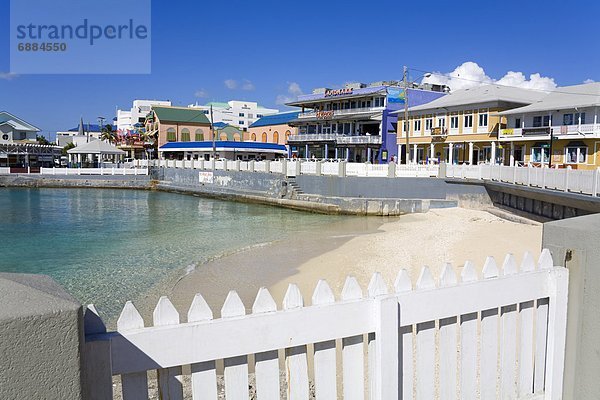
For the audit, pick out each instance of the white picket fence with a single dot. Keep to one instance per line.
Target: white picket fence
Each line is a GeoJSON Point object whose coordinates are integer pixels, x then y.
{"type": "Point", "coordinates": [565, 179]}
{"type": "Point", "coordinates": [93, 171]}
{"type": "Point", "coordinates": [498, 336]}
{"type": "Point", "coordinates": [293, 168]}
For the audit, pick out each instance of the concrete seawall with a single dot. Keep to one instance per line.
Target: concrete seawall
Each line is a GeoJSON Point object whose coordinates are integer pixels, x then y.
{"type": "Point", "coordinates": [76, 181]}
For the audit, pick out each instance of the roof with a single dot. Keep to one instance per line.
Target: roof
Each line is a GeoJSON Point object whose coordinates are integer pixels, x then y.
{"type": "Point", "coordinates": [177, 114]}
{"type": "Point", "coordinates": [480, 95]}
{"type": "Point", "coordinates": [16, 122]}
{"type": "Point", "coordinates": [308, 98]}
{"type": "Point", "coordinates": [566, 97]}
{"type": "Point", "coordinates": [96, 147]}
{"type": "Point", "coordinates": [275, 119]}
{"type": "Point", "coordinates": [88, 128]}
{"type": "Point", "coordinates": [224, 145]}
{"type": "Point", "coordinates": [220, 125]}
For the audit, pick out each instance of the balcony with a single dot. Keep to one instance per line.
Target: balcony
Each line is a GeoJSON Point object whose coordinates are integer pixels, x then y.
{"type": "Point", "coordinates": [557, 131]}
{"type": "Point", "coordinates": [338, 139]}
{"type": "Point", "coordinates": [334, 113]}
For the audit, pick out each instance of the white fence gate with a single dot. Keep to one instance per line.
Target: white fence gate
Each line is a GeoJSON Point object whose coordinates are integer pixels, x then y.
{"type": "Point", "coordinates": [498, 336]}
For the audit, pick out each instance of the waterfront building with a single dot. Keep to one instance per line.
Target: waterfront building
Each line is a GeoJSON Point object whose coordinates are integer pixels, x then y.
{"type": "Point", "coordinates": [236, 113]}
{"type": "Point", "coordinates": [73, 135]}
{"type": "Point", "coordinates": [274, 128]}
{"type": "Point", "coordinates": [463, 126]}
{"type": "Point", "coordinates": [231, 150]}
{"type": "Point", "coordinates": [227, 132]}
{"type": "Point", "coordinates": [356, 122]}
{"type": "Point", "coordinates": [177, 124]}
{"type": "Point", "coordinates": [19, 147]}
{"type": "Point", "coordinates": [128, 119]}
{"type": "Point", "coordinates": [561, 129]}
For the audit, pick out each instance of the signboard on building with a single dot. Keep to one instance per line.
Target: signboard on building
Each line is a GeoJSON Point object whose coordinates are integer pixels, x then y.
{"type": "Point", "coordinates": [508, 132]}
{"type": "Point", "coordinates": [396, 96]}
{"type": "Point", "coordinates": [205, 177]}
{"type": "Point", "coordinates": [324, 114]}
{"type": "Point", "coordinates": [338, 92]}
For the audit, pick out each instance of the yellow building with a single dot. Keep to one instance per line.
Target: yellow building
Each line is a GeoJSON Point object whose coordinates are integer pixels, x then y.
{"type": "Point", "coordinates": [461, 127]}
{"type": "Point", "coordinates": [561, 129]}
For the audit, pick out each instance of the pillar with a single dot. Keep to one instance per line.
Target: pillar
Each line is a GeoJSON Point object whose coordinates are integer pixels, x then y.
{"type": "Point", "coordinates": [470, 153]}
{"type": "Point", "coordinates": [306, 155]}
{"type": "Point", "coordinates": [336, 153]}
{"type": "Point", "coordinates": [450, 153]}
{"type": "Point", "coordinates": [414, 153]}
{"type": "Point", "coordinates": [369, 155]}
{"type": "Point", "coordinates": [512, 155]}
{"type": "Point", "coordinates": [493, 156]}
{"type": "Point", "coordinates": [326, 155]}
{"type": "Point", "coordinates": [347, 153]}
{"type": "Point", "coordinates": [431, 152]}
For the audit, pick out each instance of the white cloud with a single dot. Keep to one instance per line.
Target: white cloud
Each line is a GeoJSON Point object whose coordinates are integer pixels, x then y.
{"type": "Point", "coordinates": [589, 81]}
{"type": "Point", "coordinates": [247, 85]}
{"type": "Point", "coordinates": [200, 93]}
{"type": "Point", "coordinates": [293, 91]}
{"type": "Point", "coordinates": [230, 84]}
{"type": "Point", "coordinates": [470, 74]}
{"type": "Point", "coordinates": [8, 76]}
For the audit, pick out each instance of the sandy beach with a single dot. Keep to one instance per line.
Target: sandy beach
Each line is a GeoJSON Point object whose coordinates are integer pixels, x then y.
{"type": "Point", "coordinates": [366, 246]}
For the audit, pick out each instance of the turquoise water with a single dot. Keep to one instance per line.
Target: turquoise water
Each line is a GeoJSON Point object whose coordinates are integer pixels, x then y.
{"type": "Point", "coordinates": [109, 246]}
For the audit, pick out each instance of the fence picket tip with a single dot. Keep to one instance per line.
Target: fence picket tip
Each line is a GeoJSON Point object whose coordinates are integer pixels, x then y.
{"type": "Point", "coordinates": [402, 282]}
{"type": "Point", "coordinates": [545, 261]}
{"type": "Point", "coordinates": [323, 293]}
{"type": "Point", "coordinates": [129, 318]}
{"type": "Point", "coordinates": [293, 297]}
{"type": "Point", "coordinates": [509, 266]}
{"type": "Point", "coordinates": [490, 269]}
{"type": "Point", "coordinates": [448, 276]}
{"type": "Point", "coordinates": [351, 289]}
{"type": "Point", "coordinates": [469, 274]}
{"type": "Point", "coordinates": [263, 302]}
{"type": "Point", "coordinates": [165, 313]}
{"type": "Point", "coordinates": [377, 286]}
{"type": "Point", "coordinates": [233, 306]}
{"type": "Point", "coordinates": [528, 262]}
{"type": "Point", "coordinates": [92, 322]}
{"type": "Point", "coordinates": [199, 310]}
{"type": "Point", "coordinates": [425, 280]}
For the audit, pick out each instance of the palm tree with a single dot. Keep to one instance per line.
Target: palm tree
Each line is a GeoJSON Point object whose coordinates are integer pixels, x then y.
{"type": "Point", "coordinates": [108, 134]}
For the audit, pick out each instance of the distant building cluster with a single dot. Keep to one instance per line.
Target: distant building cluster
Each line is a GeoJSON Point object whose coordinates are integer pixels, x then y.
{"type": "Point", "coordinates": [377, 123]}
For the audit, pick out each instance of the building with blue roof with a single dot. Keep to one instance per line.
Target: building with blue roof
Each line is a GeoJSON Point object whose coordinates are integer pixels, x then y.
{"type": "Point", "coordinates": [274, 128]}
{"type": "Point", "coordinates": [231, 150]}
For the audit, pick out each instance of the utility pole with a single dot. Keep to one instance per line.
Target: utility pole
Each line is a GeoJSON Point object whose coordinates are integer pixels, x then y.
{"type": "Point", "coordinates": [212, 130]}
{"type": "Point", "coordinates": [407, 143]}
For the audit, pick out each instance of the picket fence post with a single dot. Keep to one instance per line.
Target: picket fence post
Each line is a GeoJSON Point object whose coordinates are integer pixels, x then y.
{"type": "Point", "coordinates": [567, 171]}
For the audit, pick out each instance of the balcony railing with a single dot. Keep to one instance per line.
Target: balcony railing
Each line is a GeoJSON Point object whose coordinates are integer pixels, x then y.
{"type": "Point", "coordinates": [331, 113]}
{"type": "Point", "coordinates": [557, 130]}
{"type": "Point", "coordinates": [332, 137]}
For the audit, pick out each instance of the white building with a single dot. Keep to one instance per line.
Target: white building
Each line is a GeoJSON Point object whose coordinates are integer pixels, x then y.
{"type": "Point", "coordinates": [126, 119]}
{"type": "Point", "coordinates": [90, 132]}
{"type": "Point", "coordinates": [237, 113]}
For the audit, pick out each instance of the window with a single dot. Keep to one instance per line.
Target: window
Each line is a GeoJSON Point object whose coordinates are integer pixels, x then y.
{"type": "Point", "coordinates": [580, 115]}
{"type": "Point", "coordinates": [517, 122]}
{"type": "Point", "coordinates": [567, 119]}
{"type": "Point", "coordinates": [241, 114]}
{"type": "Point", "coordinates": [483, 119]}
{"type": "Point", "coordinates": [454, 122]}
{"type": "Point", "coordinates": [185, 135]}
{"type": "Point", "coordinates": [223, 136]}
{"type": "Point", "coordinates": [287, 135]}
{"type": "Point", "coordinates": [576, 154]}
{"type": "Point", "coordinates": [428, 124]}
{"type": "Point", "coordinates": [264, 137]}
{"type": "Point", "coordinates": [254, 137]}
{"type": "Point", "coordinates": [250, 116]}
{"type": "Point", "coordinates": [236, 137]}
{"type": "Point", "coordinates": [199, 135]}
{"type": "Point", "coordinates": [259, 115]}
{"type": "Point", "coordinates": [275, 137]}
{"type": "Point", "coordinates": [206, 112]}
{"type": "Point", "coordinates": [417, 125]}
{"type": "Point", "coordinates": [537, 121]}
{"type": "Point", "coordinates": [441, 122]}
{"type": "Point", "coordinates": [540, 154]}
{"type": "Point", "coordinates": [468, 121]}
{"type": "Point", "coordinates": [546, 120]}
{"type": "Point", "coordinates": [171, 135]}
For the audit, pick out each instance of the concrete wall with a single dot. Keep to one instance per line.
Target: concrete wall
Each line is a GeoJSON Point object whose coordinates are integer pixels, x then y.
{"type": "Point", "coordinates": [92, 181]}
{"type": "Point", "coordinates": [574, 244]}
{"type": "Point", "coordinates": [40, 337]}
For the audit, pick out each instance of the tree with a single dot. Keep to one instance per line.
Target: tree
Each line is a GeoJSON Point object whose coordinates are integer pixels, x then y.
{"type": "Point", "coordinates": [42, 140]}
{"type": "Point", "coordinates": [68, 147]}
{"type": "Point", "coordinates": [108, 134]}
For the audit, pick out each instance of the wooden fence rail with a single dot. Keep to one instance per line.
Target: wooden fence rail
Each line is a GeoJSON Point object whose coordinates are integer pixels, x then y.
{"type": "Point", "coordinates": [501, 335]}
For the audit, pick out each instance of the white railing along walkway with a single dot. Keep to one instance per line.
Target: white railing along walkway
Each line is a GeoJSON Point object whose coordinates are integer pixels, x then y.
{"type": "Point", "coordinates": [501, 335]}
{"type": "Point", "coordinates": [298, 167]}
{"type": "Point", "coordinates": [565, 179]}
{"type": "Point", "coordinates": [93, 171]}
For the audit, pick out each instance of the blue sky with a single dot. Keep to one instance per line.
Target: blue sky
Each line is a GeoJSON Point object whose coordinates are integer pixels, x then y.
{"type": "Point", "coordinates": [273, 49]}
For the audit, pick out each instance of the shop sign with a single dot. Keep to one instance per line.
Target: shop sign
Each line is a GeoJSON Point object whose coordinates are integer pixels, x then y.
{"type": "Point", "coordinates": [324, 114]}
{"type": "Point", "coordinates": [508, 132]}
{"type": "Point", "coordinates": [338, 92]}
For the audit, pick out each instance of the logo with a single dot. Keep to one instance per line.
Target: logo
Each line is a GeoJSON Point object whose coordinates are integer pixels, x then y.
{"type": "Point", "coordinates": [338, 92]}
